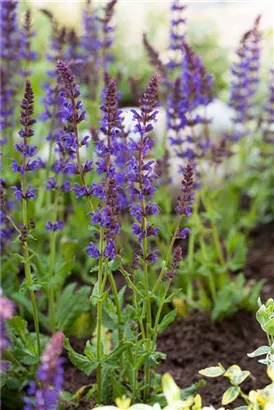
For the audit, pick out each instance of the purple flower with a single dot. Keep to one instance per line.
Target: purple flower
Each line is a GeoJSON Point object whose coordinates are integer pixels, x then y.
{"type": "Point", "coordinates": [10, 60]}
{"type": "Point", "coordinates": [185, 231]}
{"type": "Point", "coordinates": [109, 251]}
{"type": "Point", "coordinates": [92, 251]}
{"type": "Point", "coordinates": [26, 53]}
{"type": "Point", "coordinates": [50, 375]}
{"type": "Point", "coordinates": [51, 184]}
{"type": "Point", "coordinates": [107, 29]}
{"type": "Point", "coordinates": [54, 226]}
{"type": "Point", "coordinates": [245, 74]}
{"type": "Point", "coordinates": [29, 194]}
{"type": "Point", "coordinates": [141, 175]}
{"type": "Point", "coordinates": [177, 35]}
{"type": "Point", "coordinates": [81, 190]}
{"type": "Point", "coordinates": [187, 197]}
{"type": "Point", "coordinates": [26, 151]}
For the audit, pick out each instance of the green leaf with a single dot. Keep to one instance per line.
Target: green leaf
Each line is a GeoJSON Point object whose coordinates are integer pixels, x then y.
{"type": "Point", "coordinates": [81, 361]}
{"type": "Point", "coordinates": [26, 303]}
{"type": "Point", "coordinates": [214, 371]}
{"type": "Point", "coordinates": [18, 325]}
{"type": "Point", "coordinates": [236, 375]}
{"type": "Point", "coordinates": [90, 351]}
{"type": "Point", "coordinates": [260, 351]}
{"type": "Point", "coordinates": [230, 395]}
{"type": "Point", "coordinates": [113, 357]}
{"type": "Point", "coordinates": [109, 320]}
{"type": "Point", "coordinates": [167, 319]}
{"type": "Point", "coordinates": [241, 408]}
{"type": "Point", "coordinates": [3, 379]}
{"type": "Point", "coordinates": [95, 294]}
{"type": "Point", "coordinates": [70, 305]}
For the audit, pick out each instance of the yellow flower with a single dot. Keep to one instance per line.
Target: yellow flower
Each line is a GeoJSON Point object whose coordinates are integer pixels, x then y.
{"type": "Point", "coordinates": [123, 403]}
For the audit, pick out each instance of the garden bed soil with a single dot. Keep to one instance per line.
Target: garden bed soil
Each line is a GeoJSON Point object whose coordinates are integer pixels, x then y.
{"type": "Point", "coordinates": [195, 342]}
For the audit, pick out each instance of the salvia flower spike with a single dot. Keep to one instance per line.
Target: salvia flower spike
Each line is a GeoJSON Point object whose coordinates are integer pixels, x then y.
{"type": "Point", "coordinates": [245, 74]}
{"type": "Point", "coordinates": [50, 375]}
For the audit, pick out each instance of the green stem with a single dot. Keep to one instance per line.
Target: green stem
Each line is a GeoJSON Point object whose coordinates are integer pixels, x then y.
{"type": "Point", "coordinates": [52, 315]}
{"type": "Point", "coordinates": [211, 283]}
{"type": "Point", "coordinates": [129, 281]}
{"type": "Point", "coordinates": [99, 318]}
{"type": "Point", "coordinates": [119, 313]}
{"type": "Point", "coordinates": [159, 311]}
{"type": "Point", "coordinates": [117, 303]}
{"type": "Point", "coordinates": [28, 276]}
{"type": "Point", "coordinates": [52, 319]}
{"type": "Point", "coordinates": [147, 370]}
{"type": "Point", "coordinates": [217, 243]}
{"type": "Point", "coordinates": [168, 255]}
{"type": "Point", "coordinates": [215, 234]}
{"type": "Point", "coordinates": [192, 237]}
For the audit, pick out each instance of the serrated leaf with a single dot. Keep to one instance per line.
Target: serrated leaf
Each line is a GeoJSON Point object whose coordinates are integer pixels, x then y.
{"type": "Point", "coordinates": [213, 371]}
{"type": "Point", "coordinates": [26, 303]}
{"type": "Point", "coordinates": [113, 357]}
{"type": "Point", "coordinates": [108, 320]}
{"type": "Point", "coordinates": [3, 379]}
{"type": "Point", "coordinates": [167, 319]}
{"type": "Point", "coordinates": [81, 361]}
{"type": "Point", "coordinates": [90, 351]}
{"type": "Point", "coordinates": [95, 294]}
{"type": "Point", "coordinates": [230, 395]}
{"type": "Point", "coordinates": [70, 305]}
{"type": "Point", "coordinates": [18, 325]}
{"type": "Point", "coordinates": [260, 351]}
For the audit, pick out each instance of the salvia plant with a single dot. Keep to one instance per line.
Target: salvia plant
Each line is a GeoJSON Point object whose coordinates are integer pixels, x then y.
{"type": "Point", "coordinates": [98, 238]}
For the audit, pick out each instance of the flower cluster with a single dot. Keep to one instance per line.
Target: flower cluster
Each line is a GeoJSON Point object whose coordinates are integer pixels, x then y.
{"type": "Point", "coordinates": [9, 51]}
{"type": "Point", "coordinates": [191, 90]}
{"type": "Point", "coordinates": [50, 375]}
{"type": "Point", "coordinates": [90, 47]}
{"type": "Point", "coordinates": [269, 111]}
{"type": "Point", "coordinates": [108, 188]}
{"type": "Point", "coordinates": [72, 113]}
{"type": "Point", "coordinates": [6, 312]}
{"type": "Point", "coordinates": [185, 200]}
{"type": "Point", "coordinates": [196, 82]}
{"type": "Point", "coordinates": [141, 174]}
{"type": "Point", "coordinates": [27, 54]}
{"type": "Point", "coordinates": [245, 74]}
{"type": "Point", "coordinates": [107, 29]}
{"type": "Point", "coordinates": [154, 58]}
{"type": "Point", "coordinates": [177, 257]}
{"type": "Point", "coordinates": [27, 151]}
{"type": "Point", "coordinates": [177, 34]}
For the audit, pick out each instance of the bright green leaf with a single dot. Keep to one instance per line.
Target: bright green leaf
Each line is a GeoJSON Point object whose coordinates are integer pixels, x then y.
{"type": "Point", "coordinates": [230, 395]}
{"type": "Point", "coordinates": [214, 371]}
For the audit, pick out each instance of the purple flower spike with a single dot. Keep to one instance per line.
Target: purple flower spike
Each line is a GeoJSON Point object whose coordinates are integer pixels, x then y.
{"type": "Point", "coordinates": [177, 34]}
{"type": "Point", "coordinates": [50, 375]}
{"type": "Point", "coordinates": [245, 74]}
{"type": "Point", "coordinates": [187, 197]}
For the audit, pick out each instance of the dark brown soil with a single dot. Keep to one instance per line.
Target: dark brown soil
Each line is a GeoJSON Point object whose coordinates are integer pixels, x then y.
{"type": "Point", "coordinates": [195, 342]}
